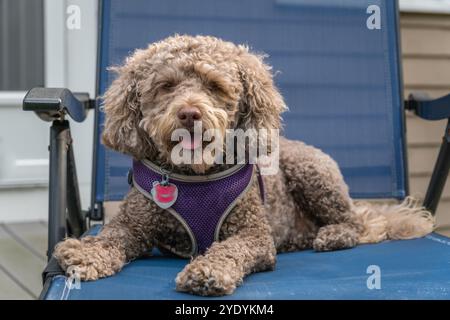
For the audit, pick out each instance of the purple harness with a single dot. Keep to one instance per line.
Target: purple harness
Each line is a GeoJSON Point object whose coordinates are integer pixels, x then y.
{"type": "Point", "coordinates": [202, 202]}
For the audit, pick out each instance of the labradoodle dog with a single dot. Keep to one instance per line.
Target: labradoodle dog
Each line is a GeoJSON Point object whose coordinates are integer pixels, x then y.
{"type": "Point", "coordinates": [183, 79]}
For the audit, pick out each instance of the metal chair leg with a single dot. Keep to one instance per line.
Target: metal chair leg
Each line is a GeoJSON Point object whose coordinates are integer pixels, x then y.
{"type": "Point", "coordinates": [440, 174]}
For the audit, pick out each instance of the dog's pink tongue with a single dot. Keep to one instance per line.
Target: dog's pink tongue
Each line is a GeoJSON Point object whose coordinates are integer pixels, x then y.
{"type": "Point", "coordinates": [191, 144]}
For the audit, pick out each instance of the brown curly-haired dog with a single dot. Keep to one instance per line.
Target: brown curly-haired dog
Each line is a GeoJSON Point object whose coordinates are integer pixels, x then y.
{"type": "Point", "coordinates": [307, 202]}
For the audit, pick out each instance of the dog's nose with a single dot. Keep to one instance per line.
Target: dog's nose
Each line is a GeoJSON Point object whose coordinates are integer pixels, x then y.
{"type": "Point", "coordinates": [188, 115]}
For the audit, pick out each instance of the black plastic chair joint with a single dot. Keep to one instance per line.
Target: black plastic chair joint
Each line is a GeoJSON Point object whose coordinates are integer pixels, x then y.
{"type": "Point", "coordinates": [54, 103]}
{"type": "Point", "coordinates": [429, 109]}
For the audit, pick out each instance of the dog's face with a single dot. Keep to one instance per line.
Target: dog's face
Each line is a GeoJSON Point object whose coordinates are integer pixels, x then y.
{"type": "Point", "coordinates": [182, 81]}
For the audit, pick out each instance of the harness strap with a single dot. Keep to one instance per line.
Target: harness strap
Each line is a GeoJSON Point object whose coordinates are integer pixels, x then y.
{"type": "Point", "coordinates": [262, 191]}
{"type": "Point", "coordinates": [203, 202]}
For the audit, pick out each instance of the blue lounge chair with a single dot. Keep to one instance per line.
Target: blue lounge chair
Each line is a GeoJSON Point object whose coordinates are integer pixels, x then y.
{"type": "Point", "coordinates": [341, 77]}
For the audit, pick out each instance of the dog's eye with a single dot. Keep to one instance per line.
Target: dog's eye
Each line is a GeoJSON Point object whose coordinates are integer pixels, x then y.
{"type": "Point", "coordinates": [215, 87]}
{"type": "Point", "coordinates": [168, 85]}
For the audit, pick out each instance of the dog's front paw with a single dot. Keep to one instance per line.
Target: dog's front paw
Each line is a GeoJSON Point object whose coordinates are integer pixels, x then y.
{"type": "Point", "coordinates": [207, 279]}
{"type": "Point", "coordinates": [86, 259]}
{"type": "Point", "coordinates": [335, 237]}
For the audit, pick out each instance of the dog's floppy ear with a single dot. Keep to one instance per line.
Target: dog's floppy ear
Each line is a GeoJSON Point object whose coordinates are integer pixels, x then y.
{"type": "Point", "coordinates": [122, 115]}
{"type": "Point", "coordinates": [261, 104]}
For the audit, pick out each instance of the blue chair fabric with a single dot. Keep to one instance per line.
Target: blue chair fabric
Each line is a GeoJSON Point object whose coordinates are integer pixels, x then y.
{"type": "Point", "coordinates": [340, 79]}
{"type": "Point", "coordinates": [408, 269]}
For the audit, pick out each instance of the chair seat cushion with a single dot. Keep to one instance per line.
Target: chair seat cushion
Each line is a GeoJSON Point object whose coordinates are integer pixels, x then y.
{"type": "Point", "coordinates": [409, 269]}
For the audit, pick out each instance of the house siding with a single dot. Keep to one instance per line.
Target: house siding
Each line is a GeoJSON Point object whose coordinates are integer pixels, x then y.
{"type": "Point", "coordinates": [426, 68]}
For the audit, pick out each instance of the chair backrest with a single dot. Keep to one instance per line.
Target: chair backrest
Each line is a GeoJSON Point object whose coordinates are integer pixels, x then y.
{"type": "Point", "coordinates": [339, 73]}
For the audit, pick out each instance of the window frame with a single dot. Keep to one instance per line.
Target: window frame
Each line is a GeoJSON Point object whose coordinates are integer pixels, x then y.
{"type": "Point", "coordinates": [427, 6]}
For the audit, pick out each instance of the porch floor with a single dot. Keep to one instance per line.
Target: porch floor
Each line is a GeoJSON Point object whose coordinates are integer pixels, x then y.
{"type": "Point", "coordinates": [23, 257]}
{"type": "Point", "coordinates": [23, 249]}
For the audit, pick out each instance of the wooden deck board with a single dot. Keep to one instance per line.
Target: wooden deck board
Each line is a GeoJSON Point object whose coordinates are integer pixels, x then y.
{"type": "Point", "coordinates": [31, 235]}
{"type": "Point", "coordinates": [20, 263]}
{"type": "Point", "coordinates": [10, 290]}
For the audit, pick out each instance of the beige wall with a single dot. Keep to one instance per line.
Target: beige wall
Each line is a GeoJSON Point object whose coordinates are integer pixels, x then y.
{"type": "Point", "coordinates": [426, 68]}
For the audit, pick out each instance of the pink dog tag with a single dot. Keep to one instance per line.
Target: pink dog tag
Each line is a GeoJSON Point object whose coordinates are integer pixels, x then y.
{"type": "Point", "coordinates": [164, 194]}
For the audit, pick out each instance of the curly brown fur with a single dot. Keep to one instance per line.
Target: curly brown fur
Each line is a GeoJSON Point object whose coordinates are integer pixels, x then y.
{"type": "Point", "coordinates": [245, 246]}
{"type": "Point", "coordinates": [307, 202]}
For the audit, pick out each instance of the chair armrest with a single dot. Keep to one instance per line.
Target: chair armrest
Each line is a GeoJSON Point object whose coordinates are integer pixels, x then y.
{"type": "Point", "coordinates": [437, 109]}
{"type": "Point", "coordinates": [427, 108]}
{"type": "Point", "coordinates": [53, 103]}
